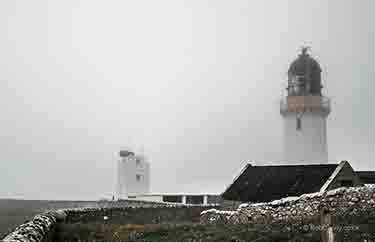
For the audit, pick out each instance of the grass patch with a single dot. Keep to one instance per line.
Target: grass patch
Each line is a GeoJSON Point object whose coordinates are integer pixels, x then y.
{"type": "Point", "coordinates": [169, 233]}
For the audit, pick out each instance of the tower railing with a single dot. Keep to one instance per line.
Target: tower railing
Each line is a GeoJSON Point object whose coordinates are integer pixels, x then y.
{"type": "Point", "coordinates": [297, 104]}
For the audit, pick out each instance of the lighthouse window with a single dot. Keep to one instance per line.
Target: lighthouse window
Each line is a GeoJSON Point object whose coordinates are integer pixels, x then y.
{"type": "Point", "coordinates": [299, 124]}
{"type": "Point", "coordinates": [138, 177]}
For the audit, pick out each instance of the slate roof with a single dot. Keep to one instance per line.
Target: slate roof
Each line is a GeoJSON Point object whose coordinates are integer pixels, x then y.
{"type": "Point", "coordinates": [367, 177]}
{"type": "Point", "coordinates": [268, 183]}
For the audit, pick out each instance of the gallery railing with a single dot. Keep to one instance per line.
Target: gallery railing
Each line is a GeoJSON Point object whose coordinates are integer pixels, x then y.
{"type": "Point", "coordinates": [300, 104]}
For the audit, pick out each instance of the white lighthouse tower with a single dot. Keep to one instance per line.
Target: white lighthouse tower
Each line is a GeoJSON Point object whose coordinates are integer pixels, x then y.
{"type": "Point", "coordinates": [133, 175]}
{"type": "Point", "coordinates": [305, 110]}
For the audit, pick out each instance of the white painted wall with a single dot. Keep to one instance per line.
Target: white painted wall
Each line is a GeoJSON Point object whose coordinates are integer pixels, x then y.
{"type": "Point", "coordinates": [149, 198]}
{"type": "Point", "coordinates": [128, 169]}
{"type": "Point", "coordinates": [309, 144]}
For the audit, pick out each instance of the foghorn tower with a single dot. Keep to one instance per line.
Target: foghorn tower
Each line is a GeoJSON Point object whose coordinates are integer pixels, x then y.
{"type": "Point", "coordinates": [305, 110]}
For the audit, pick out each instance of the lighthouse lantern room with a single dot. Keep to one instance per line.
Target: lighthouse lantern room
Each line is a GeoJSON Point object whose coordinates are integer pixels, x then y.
{"type": "Point", "coordinates": [305, 111]}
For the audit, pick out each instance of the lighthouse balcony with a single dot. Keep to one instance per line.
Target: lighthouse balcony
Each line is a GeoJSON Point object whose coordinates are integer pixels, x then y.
{"type": "Point", "coordinates": [298, 104]}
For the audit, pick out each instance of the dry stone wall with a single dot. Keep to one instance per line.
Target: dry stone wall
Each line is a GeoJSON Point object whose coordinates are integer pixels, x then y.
{"type": "Point", "coordinates": [135, 215]}
{"type": "Point", "coordinates": [347, 205]}
{"type": "Point", "coordinates": [294, 213]}
{"type": "Point", "coordinates": [39, 229]}
{"type": "Point", "coordinates": [15, 212]}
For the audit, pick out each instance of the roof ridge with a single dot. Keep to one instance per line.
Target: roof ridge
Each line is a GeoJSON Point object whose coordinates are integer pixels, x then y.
{"type": "Point", "coordinates": [295, 165]}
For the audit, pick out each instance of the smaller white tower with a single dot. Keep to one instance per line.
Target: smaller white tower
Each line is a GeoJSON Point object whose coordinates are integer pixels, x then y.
{"type": "Point", "coordinates": [133, 177]}
{"type": "Point", "coordinates": [305, 112]}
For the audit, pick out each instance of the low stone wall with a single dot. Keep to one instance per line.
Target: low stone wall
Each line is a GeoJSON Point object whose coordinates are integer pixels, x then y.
{"type": "Point", "coordinates": [134, 215]}
{"type": "Point", "coordinates": [15, 212]}
{"type": "Point", "coordinates": [294, 213]}
{"type": "Point", "coordinates": [34, 211]}
{"type": "Point", "coordinates": [39, 229]}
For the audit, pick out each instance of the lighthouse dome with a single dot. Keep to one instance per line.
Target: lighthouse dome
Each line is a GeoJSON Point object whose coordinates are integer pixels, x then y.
{"type": "Point", "coordinates": [305, 72]}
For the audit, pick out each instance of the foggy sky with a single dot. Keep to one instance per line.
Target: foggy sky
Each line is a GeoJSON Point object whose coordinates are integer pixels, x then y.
{"type": "Point", "coordinates": [194, 84]}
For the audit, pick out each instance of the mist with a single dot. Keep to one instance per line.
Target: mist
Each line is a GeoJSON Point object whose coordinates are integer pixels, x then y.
{"type": "Point", "coordinates": [194, 85]}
